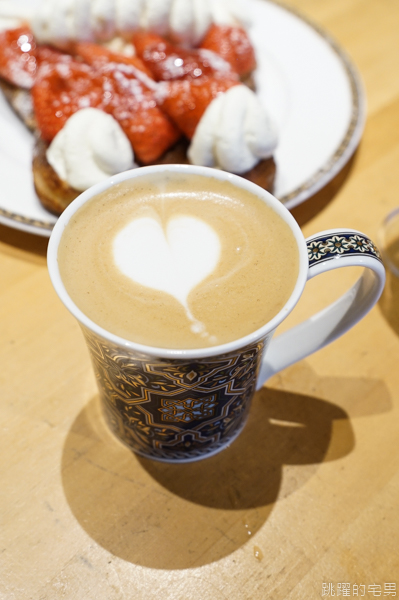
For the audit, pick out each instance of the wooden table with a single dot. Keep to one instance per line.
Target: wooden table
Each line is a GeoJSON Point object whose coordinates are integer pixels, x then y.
{"type": "Point", "coordinates": [304, 504]}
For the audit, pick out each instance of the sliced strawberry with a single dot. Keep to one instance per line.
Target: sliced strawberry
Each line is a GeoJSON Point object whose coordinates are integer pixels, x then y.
{"type": "Point", "coordinates": [232, 44]}
{"type": "Point", "coordinates": [17, 56]}
{"type": "Point", "coordinates": [146, 39]}
{"type": "Point", "coordinates": [169, 62]}
{"type": "Point", "coordinates": [133, 105]}
{"type": "Point", "coordinates": [50, 54]}
{"type": "Point", "coordinates": [96, 55]}
{"type": "Point", "coordinates": [186, 101]}
{"type": "Point", "coordinates": [62, 88]}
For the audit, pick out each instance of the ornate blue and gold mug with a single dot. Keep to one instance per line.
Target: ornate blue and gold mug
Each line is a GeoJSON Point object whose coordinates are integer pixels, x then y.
{"type": "Point", "coordinates": [179, 277]}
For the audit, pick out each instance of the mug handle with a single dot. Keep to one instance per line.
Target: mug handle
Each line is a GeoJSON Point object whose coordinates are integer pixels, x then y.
{"type": "Point", "coordinates": [329, 250]}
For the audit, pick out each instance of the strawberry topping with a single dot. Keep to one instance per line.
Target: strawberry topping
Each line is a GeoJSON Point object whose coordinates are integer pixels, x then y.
{"type": "Point", "coordinates": [133, 105]}
{"type": "Point", "coordinates": [64, 87]}
{"type": "Point", "coordinates": [50, 54]}
{"type": "Point", "coordinates": [96, 55]}
{"type": "Point", "coordinates": [123, 86]}
{"type": "Point", "coordinates": [186, 101]}
{"type": "Point", "coordinates": [232, 44]}
{"type": "Point", "coordinates": [167, 61]}
{"type": "Point", "coordinates": [17, 57]}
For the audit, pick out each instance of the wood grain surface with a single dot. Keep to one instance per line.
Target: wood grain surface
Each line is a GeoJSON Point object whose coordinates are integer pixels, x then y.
{"type": "Point", "coordinates": [305, 502]}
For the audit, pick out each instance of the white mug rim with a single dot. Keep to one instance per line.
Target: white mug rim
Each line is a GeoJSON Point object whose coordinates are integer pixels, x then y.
{"type": "Point", "coordinates": [172, 353]}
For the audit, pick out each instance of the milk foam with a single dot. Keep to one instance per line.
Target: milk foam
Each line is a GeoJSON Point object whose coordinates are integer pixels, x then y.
{"type": "Point", "coordinates": [213, 263]}
{"type": "Point", "coordinates": [174, 259]}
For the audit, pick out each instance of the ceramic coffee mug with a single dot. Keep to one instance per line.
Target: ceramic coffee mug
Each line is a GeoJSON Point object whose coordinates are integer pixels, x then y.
{"type": "Point", "coordinates": [185, 405]}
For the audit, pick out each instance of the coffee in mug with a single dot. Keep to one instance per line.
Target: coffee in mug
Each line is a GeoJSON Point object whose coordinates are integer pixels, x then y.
{"type": "Point", "coordinates": [183, 261]}
{"type": "Point", "coordinates": [179, 277]}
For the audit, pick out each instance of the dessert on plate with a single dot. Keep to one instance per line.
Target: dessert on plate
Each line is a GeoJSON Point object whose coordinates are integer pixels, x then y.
{"type": "Point", "coordinates": [108, 86]}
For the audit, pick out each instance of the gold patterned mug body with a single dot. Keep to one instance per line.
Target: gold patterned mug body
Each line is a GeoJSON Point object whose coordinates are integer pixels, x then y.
{"type": "Point", "coordinates": [184, 405]}
{"type": "Point", "coordinates": [174, 409]}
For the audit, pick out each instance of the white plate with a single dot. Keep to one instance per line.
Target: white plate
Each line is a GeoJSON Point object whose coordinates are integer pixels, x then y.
{"type": "Point", "coordinates": [309, 86]}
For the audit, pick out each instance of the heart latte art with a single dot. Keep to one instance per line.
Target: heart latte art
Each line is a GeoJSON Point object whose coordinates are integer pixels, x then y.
{"type": "Point", "coordinates": [172, 260]}
{"type": "Point", "coordinates": [178, 261]}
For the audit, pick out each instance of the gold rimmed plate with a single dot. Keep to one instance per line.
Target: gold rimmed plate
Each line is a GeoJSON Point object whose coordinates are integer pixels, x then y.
{"type": "Point", "coordinates": [307, 83]}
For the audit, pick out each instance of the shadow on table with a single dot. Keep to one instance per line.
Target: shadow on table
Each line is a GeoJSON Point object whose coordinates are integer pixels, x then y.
{"type": "Point", "coordinates": [169, 516]}
{"type": "Point", "coordinates": [20, 243]}
{"type": "Point", "coordinates": [389, 301]}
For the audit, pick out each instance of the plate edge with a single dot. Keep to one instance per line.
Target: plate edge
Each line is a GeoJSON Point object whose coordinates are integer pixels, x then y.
{"type": "Point", "coordinates": [353, 134]}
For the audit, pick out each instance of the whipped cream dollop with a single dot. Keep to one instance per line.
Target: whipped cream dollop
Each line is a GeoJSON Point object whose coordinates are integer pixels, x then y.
{"type": "Point", "coordinates": [186, 21]}
{"type": "Point", "coordinates": [234, 133]}
{"type": "Point", "coordinates": [90, 148]}
{"type": "Point", "coordinates": [57, 21]}
{"type": "Point", "coordinates": [9, 23]}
